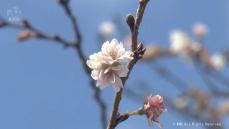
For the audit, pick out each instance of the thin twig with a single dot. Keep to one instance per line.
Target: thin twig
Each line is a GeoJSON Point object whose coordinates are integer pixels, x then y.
{"type": "Point", "coordinates": [68, 11]}
{"type": "Point", "coordinates": [97, 92]}
{"type": "Point", "coordinates": [139, 15]}
{"type": "Point", "coordinates": [126, 115]}
{"type": "Point", "coordinates": [76, 44]}
{"type": "Point", "coordinates": [137, 50]}
{"type": "Point", "coordinates": [25, 25]}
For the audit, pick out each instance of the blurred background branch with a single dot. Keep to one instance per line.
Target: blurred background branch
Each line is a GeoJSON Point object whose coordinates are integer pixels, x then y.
{"type": "Point", "coordinates": [28, 32]}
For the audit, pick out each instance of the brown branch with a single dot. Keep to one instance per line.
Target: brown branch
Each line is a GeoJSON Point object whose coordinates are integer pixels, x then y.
{"type": "Point", "coordinates": [118, 96]}
{"type": "Point", "coordinates": [138, 52]}
{"type": "Point", "coordinates": [97, 97]}
{"type": "Point", "coordinates": [35, 33]}
{"type": "Point", "coordinates": [139, 15]}
{"type": "Point", "coordinates": [68, 11]}
{"type": "Point", "coordinates": [126, 115]}
{"type": "Point", "coordinates": [97, 92]}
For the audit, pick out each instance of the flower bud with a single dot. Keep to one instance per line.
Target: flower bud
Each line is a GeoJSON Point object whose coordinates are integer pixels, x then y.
{"type": "Point", "coordinates": [139, 52]}
{"type": "Point", "coordinates": [200, 30]}
{"type": "Point", "coordinates": [24, 35]}
{"type": "Point", "coordinates": [154, 107]}
{"type": "Point", "coordinates": [130, 21]}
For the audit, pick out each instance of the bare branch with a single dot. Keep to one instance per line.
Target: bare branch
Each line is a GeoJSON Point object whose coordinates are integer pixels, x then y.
{"type": "Point", "coordinates": [68, 11]}
{"type": "Point", "coordinates": [138, 19]}
{"type": "Point", "coordinates": [138, 52]}
{"type": "Point", "coordinates": [126, 115]}
{"type": "Point", "coordinates": [25, 25]}
{"type": "Point", "coordinates": [97, 92]}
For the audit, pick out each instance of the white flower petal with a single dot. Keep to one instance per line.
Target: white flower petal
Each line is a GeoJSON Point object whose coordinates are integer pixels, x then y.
{"type": "Point", "coordinates": [95, 74]}
{"type": "Point", "coordinates": [94, 60]}
{"type": "Point", "coordinates": [101, 85]}
{"type": "Point", "coordinates": [123, 71]}
{"type": "Point", "coordinates": [105, 48]}
{"type": "Point", "coordinates": [105, 79]}
{"type": "Point", "coordinates": [114, 42]}
{"type": "Point", "coordinates": [126, 57]}
{"type": "Point", "coordinates": [118, 84]}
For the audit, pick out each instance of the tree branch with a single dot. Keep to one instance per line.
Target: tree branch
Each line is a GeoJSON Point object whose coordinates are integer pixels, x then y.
{"type": "Point", "coordinates": [126, 115]}
{"type": "Point", "coordinates": [68, 11]}
{"type": "Point", "coordinates": [139, 15]}
{"type": "Point", "coordinates": [97, 92]}
{"type": "Point", "coordinates": [138, 52]}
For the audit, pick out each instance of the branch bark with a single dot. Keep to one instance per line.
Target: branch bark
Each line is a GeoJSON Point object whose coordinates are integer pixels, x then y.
{"type": "Point", "coordinates": [139, 16]}
{"type": "Point", "coordinates": [138, 51]}
{"type": "Point", "coordinates": [80, 53]}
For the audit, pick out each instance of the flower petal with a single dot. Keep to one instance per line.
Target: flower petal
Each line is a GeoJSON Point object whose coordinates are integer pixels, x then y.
{"type": "Point", "coordinates": [105, 48]}
{"type": "Point", "coordinates": [118, 84]}
{"type": "Point", "coordinates": [95, 74]}
{"type": "Point", "coordinates": [123, 71]}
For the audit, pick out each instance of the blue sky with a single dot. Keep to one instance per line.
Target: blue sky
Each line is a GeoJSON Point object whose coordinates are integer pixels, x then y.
{"type": "Point", "coordinates": [42, 85]}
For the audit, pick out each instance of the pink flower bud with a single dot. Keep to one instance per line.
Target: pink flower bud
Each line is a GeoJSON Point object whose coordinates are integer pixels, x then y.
{"type": "Point", "coordinates": [154, 107]}
{"type": "Point", "coordinates": [200, 30]}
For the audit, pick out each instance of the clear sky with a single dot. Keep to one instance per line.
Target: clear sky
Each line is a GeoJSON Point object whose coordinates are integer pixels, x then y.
{"type": "Point", "coordinates": [42, 85]}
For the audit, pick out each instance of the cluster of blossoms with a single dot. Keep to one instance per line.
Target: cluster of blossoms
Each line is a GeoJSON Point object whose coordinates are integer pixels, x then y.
{"type": "Point", "coordinates": [154, 107]}
{"type": "Point", "coordinates": [182, 45]}
{"type": "Point", "coordinates": [110, 64]}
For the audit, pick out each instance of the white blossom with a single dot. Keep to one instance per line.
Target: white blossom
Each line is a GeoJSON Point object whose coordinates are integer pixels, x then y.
{"type": "Point", "coordinates": [179, 41]}
{"type": "Point", "coordinates": [183, 46]}
{"type": "Point", "coordinates": [217, 61]}
{"type": "Point", "coordinates": [110, 64]}
{"type": "Point", "coordinates": [106, 28]}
